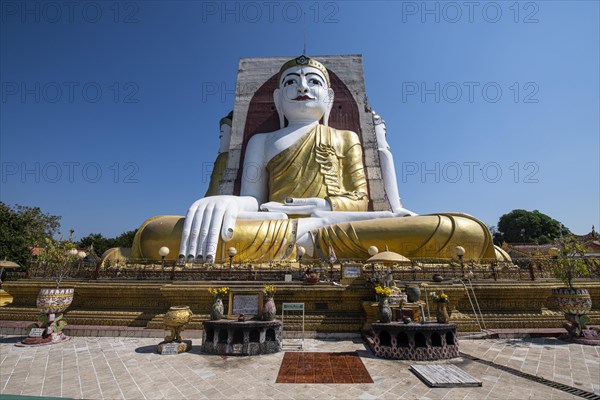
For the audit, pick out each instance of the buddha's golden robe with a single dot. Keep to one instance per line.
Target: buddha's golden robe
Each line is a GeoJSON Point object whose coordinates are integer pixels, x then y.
{"type": "Point", "coordinates": [327, 163]}
{"type": "Point", "coordinates": [324, 163]}
{"type": "Point", "coordinates": [217, 174]}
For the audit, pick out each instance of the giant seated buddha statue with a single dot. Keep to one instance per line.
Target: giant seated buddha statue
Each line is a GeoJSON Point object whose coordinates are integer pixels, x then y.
{"type": "Point", "coordinates": [305, 184]}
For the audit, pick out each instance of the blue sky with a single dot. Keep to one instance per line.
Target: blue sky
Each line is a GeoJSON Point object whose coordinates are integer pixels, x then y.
{"type": "Point", "coordinates": [106, 118]}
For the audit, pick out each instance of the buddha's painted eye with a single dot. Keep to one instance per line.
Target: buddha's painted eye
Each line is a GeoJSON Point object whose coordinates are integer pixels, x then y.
{"type": "Point", "coordinates": [315, 81]}
{"type": "Point", "coordinates": [289, 82]}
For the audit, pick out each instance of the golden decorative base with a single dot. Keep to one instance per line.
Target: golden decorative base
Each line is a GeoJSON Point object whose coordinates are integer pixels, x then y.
{"type": "Point", "coordinates": [328, 307]}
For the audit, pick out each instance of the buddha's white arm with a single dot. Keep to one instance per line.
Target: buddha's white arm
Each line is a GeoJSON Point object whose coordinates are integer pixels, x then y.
{"type": "Point", "coordinates": [254, 173]}
{"type": "Point", "coordinates": [388, 171]}
{"type": "Point", "coordinates": [206, 219]}
{"type": "Point", "coordinates": [211, 216]}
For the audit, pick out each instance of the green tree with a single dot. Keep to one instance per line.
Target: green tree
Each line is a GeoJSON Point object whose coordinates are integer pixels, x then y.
{"type": "Point", "coordinates": [101, 243]}
{"type": "Point", "coordinates": [21, 229]}
{"type": "Point", "coordinates": [522, 226]}
{"type": "Point", "coordinates": [125, 239]}
{"type": "Point", "coordinates": [58, 258]}
{"type": "Point", "coordinates": [571, 261]}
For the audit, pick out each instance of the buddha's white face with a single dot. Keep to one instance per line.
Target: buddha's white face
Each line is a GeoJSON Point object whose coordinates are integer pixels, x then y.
{"type": "Point", "coordinates": [304, 95]}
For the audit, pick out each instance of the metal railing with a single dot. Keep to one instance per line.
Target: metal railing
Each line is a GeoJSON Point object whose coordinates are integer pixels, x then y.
{"type": "Point", "coordinates": [522, 269]}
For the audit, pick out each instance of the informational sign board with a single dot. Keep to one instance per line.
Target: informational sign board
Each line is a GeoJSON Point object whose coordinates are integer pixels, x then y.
{"type": "Point", "coordinates": [397, 299]}
{"type": "Point", "coordinates": [169, 349]}
{"type": "Point", "coordinates": [36, 332]}
{"type": "Point", "coordinates": [291, 308]}
{"type": "Point", "coordinates": [245, 303]}
{"type": "Point", "coordinates": [351, 271]}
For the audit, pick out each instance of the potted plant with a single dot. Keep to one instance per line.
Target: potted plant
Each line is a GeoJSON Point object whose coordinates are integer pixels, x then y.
{"type": "Point", "coordinates": [569, 263]}
{"type": "Point", "coordinates": [269, 310]}
{"type": "Point", "coordinates": [216, 310]}
{"type": "Point", "coordinates": [384, 312]}
{"type": "Point", "coordinates": [57, 260]}
{"type": "Point", "coordinates": [441, 299]}
{"type": "Point", "coordinates": [312, 276]}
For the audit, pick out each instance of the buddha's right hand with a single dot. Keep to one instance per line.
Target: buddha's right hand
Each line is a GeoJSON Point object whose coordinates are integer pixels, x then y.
{"type": "Point", "coordinates": [205, 219]}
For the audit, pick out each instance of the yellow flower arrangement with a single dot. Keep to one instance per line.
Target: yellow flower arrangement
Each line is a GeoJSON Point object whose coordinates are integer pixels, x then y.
{"type": "Point", "coordinates": [270, 290]}
{"type": "Point", "coordinates": [219, 292]}
{"type": "Point", "coordinates": [383, 291]}
{"type": "Point", "coordinates": [440, 297]}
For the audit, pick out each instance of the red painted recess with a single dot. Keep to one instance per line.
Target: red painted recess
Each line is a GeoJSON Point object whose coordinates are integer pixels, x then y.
{"type": "Point", "coordinates": [262, 115]}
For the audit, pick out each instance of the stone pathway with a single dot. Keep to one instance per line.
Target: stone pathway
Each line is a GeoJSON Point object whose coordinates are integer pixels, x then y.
{"type": "Point", "coordinates": [128, 368]}
{"type": "Point", "coordinates": [570, 364]}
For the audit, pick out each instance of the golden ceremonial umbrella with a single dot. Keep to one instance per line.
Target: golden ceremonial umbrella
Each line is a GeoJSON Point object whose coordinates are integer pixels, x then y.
{"type": "Point", "coordinates": [8, 264]}
{"type": "Point", "coordinates": [388, 257]}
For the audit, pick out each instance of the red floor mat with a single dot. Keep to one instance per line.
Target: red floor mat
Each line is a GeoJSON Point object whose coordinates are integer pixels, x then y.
{"type": "Point", "coordinates": [322, 368]}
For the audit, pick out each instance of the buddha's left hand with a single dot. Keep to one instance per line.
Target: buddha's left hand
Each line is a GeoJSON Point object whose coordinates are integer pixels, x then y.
{"type": "Point", "coordinates": [297, 206]}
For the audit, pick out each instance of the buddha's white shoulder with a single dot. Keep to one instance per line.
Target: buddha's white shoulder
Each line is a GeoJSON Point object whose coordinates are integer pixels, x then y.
{"type": "Point", "coordinates": [257, 141]}
{"type": "Point", "coordinates": [258, 137]}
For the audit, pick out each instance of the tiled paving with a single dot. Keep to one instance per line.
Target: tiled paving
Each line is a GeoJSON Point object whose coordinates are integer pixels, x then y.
{"type": "Point", "coordinates": [570, 364]}
{"type": "Point", "coordinates": [128, 368]}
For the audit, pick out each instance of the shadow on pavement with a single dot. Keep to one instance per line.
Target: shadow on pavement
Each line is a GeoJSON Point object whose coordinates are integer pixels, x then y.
{"type": "Point", "coordinates": [147, 349]}
{"type": "Point", "coordinates": [14, 339]}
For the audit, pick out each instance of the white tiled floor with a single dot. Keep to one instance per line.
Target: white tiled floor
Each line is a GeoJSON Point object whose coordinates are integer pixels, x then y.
{"type": "Point", "coordinates": [128, 368]}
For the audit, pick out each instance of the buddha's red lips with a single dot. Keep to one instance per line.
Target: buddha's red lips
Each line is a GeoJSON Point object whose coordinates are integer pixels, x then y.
{"type": "Point", "coordinates": [301, 98]}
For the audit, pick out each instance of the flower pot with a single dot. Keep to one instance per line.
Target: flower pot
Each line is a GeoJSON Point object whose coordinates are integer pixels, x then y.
{"type": "Point", "coordinates": [413, 293]}
{"type": "Point", "coordinates": [572, 301]}
{"type": "Point", "coordinates": [216, 311]}
{"type": "Point", "coordinates": [385, 312]}
{"type": "Point", "coordinates": [442, 316]}
{"type": "Point", "coordinates": [269, 310]}
{"type": "Point", "coordinates": [54, 301]}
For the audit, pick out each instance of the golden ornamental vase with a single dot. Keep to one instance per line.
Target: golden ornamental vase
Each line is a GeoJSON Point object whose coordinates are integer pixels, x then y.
{"type": "Point", "coordinates": [175, 321]}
